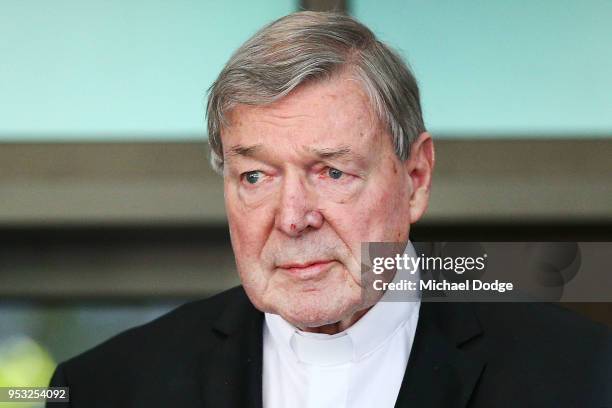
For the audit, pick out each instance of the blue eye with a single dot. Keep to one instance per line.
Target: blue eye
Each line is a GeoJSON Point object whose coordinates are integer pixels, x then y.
{"type": "Point", "coordinates": [252, 177]}
{"type": "Point", "coordinates": [334, 173]}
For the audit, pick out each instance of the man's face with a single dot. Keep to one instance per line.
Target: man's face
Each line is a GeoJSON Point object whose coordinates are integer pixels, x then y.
{"type": "Point", "coordinates": [308, 179]}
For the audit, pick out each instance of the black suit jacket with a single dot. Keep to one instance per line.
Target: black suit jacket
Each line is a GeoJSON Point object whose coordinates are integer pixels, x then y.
{"type": "Point", "coordinates": [209, 354]}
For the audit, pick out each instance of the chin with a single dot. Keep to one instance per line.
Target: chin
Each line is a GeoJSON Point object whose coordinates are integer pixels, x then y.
{"type": "Point", "coordinates": [317, 305]}
{"type": "Point", "coordinates": [317, 310]}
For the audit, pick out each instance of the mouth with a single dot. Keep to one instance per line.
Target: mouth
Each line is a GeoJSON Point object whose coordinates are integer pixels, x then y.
{"type": "Point", "coordinates": [307, 270]}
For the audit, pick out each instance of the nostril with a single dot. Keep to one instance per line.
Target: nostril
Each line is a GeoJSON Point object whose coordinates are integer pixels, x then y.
{"type": "Point", "coordinates": [292, 227]}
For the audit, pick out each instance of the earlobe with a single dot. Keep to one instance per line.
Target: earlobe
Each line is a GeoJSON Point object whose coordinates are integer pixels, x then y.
{"type": "Point", "coordinates": [420, 168]}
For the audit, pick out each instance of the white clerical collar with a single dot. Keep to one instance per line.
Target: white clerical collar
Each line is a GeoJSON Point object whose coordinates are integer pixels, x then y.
{"type": "Point", "coordinates": [365, 336]}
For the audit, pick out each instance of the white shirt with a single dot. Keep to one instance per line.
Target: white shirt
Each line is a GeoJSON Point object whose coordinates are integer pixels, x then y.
{"type": "Point", "coordinates": [362, 366]}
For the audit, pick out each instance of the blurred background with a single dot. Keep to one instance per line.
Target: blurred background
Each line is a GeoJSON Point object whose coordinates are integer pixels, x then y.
{"type": "Point", "coordinates": [111, 216]}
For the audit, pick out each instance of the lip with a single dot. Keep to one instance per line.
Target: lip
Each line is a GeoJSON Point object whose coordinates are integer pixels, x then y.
{"type": "Point", "coordinates": [307, 270]}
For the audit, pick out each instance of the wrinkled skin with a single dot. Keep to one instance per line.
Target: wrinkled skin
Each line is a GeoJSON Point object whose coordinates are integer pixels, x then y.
{"type": "Point", "coordinates": [307, 179]}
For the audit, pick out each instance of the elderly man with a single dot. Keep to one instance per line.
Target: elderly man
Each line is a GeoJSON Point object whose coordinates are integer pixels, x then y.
{"type": "Point", "coordinates": [316, 127]}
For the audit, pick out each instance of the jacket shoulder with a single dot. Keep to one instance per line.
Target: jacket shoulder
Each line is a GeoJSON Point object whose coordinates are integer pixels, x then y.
{"type": "Point", "coordinates": [177, 326]}
{"type": "Point", "coordinates": [164, 352]}
{"type": "Point", "coordinates": [553, 350]}
{"type": "Point", "coordinates": [540, 322]}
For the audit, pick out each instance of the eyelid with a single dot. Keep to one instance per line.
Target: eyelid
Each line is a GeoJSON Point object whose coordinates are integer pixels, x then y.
{"type": "Point", "coordinates": [349, 170]}
{"type": "Point", "coordinates": [325, 173]}
{"type": "Point", "coordinates": [244, 174]}
{"type": "Point", "coordinates": [320, 167]}
{"type": "Point", "coordinates": [342, 169]}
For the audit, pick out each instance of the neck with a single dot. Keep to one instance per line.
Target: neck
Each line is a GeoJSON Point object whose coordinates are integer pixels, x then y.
{"type": "Point", "coordinates": [334, 328]}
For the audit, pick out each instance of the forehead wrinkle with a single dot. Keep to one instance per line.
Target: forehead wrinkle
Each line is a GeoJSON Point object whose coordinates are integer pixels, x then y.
{"type": "Point", "coordinates": [277, 122]}
{"type": "Point", "coordinates": [278, 115]}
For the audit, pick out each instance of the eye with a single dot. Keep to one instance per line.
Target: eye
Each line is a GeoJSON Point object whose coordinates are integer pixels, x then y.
{"type": "Point", "coordinates": [334, 173]}
{"type": "Point", "coordinates": [252, 177]}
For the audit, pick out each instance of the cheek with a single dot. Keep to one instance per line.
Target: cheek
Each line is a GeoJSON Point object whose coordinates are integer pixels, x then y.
{"type": "Point", "coordinates": [247, 242]}
{"type": "Point", "coordinates": [256, 198]}
{"type": "Point", "coordinates": [394, 214]}
{"type": "Point", "coordinates": [247, 230]}
{"type": "Point", "coordinates": [379, 215]}
{"type": "Point", "coordinates": [241, 196]}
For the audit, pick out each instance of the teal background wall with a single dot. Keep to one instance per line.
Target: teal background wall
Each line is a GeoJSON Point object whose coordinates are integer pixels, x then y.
{"type": "Point", "coordinates": [518, 68]}
{"type": "Point", "coordinates": [117, 70]}
{"type": "Point", "coordinates": [108, 69]}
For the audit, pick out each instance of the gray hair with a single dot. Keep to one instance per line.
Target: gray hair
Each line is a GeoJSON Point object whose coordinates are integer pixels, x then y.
{"type": "Point", "coordinates": [309, 46]}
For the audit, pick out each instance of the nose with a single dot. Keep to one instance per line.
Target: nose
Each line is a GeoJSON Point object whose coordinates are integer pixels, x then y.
{"type": "Point", "coordinates": [297, 208]}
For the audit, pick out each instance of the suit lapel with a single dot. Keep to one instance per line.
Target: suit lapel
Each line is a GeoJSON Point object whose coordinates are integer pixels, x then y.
{"type": "Point", "coordinates": [232, 376]}
{"type": "Point", "coordinates": [439, 372]}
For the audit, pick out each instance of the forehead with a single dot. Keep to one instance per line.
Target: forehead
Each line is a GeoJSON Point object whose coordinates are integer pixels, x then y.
{"type": "Point", "coordinates": [321, 112]}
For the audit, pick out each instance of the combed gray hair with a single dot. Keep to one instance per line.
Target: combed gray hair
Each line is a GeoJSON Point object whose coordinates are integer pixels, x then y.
{"type": "Point", "coordinates": [309, 46]}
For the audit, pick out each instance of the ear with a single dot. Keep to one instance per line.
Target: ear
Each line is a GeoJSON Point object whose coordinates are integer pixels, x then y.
{"type": "Point", "coordinates": [419, 168]}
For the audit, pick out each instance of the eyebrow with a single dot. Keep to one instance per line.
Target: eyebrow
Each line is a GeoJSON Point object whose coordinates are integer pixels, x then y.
{"type": "Point", "coordinates": [325, 153]}
{"type": "Point", "coordinates": [340, 152]}
{"type": "Point", "coordinates": [246, 151]}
